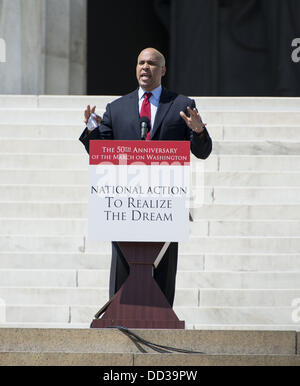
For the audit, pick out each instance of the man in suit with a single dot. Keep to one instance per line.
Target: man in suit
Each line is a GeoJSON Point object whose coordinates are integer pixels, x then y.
{"type": "Point", "coordinates": [172, 117]}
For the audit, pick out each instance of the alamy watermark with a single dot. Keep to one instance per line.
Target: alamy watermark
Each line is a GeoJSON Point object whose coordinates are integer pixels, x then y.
{"type": "Point", "coordinates": [2, 311]}
{"type": "Point", "coordinates": [2, 51]}
{"type": "Point", "coordinates": [296, 51]}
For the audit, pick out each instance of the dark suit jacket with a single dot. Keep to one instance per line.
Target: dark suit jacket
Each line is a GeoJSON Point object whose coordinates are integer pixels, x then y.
{"type": "Point", "coordinates": [121, 121]}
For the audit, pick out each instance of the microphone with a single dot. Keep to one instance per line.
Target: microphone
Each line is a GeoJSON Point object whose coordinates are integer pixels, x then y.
{"type": "Point", "coordinates": [145, 127]}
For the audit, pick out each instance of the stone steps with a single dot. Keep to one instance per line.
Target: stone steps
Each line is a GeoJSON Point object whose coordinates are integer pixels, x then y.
{"type": "Point", "coordinates": [236, 245]}
{"type": "Point", "coordinates": [72, 116]}
{"type": "Point", "coordinates": [69, 314]}
{"type": "Point", "coordinates": [218, 132]}
{"type": "Point", "coordinates": [78, 296]}
{"type": "Point", "coordinates": [221, 195]}
{"type": "Point", "coordinates": [115, 359]}
{"type": "Point", "coordinates": [90, 278]}
{"type": "Point", "coordinates": [110, 340]}
{"type": "Point", "coordinates": [191, 297]}
{"type": "Point", "coordinates": [79, 226]}
{"type": "Point", "coordinates": [198, 262]}
{"type": "Point", "coordinates": [225, 163]}
{"type": "Point", "coordinates": [241, 267]}
{"type": "Point", "coordinates": [71, 146]}
{"type": "Point", "coordinates": [209, 103]}
{"type": "Point", "coordinates": [43, 209]}
{"type": "Point", "coordinates": [194, 279]}
{"type": "Point", "coordinates": [32, 346]}
{"type": "Point", "coordinates": [215, 179]}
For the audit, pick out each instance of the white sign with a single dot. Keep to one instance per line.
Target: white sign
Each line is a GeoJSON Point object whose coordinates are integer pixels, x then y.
{"type": "Point", "coordinates": [139, 191]}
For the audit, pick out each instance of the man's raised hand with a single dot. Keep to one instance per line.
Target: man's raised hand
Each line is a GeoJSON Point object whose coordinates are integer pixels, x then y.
{"type": "Point", "coordinates": [88, 112]}
{"type": "Point", "coordinates": [194, 121]}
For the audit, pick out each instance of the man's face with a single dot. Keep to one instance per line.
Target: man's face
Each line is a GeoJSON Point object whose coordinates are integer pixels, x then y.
{"type": "Point", "coordinates": [149, 69]}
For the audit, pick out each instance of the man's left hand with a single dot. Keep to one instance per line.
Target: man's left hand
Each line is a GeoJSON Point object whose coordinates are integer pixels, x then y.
{"type": "Point", "coordinates": [194, 121]}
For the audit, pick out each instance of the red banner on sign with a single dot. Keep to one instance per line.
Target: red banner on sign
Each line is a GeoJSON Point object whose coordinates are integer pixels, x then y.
{"type": "Point", "coordinates": [142, 152]}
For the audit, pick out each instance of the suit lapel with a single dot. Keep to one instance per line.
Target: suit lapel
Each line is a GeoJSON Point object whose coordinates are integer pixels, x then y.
{"type": "Point", "coordinates": [133, 111]}
{"type": "Point", "coordinates": [165, 102]}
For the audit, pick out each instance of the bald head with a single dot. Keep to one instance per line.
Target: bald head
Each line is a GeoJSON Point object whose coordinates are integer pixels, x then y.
{"type": "Point", "coordinates": [150, 68]}
{"type": "Point", "coordinates": [155, 52]}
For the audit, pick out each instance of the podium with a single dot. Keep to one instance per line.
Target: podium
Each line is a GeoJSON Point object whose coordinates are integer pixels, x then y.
{"type": "Point", "coordinates": [139, 194]}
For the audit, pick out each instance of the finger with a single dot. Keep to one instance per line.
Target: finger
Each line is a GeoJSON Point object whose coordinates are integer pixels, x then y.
{"type": "Point", "coordinates": [86, 116]}
{"type": "Point", "coordinates": [193, 113]}
{"type": "Point", "coordinates": [183, 116]}
{"type": "Point", "coordinates": [93, 109]}
{"type": "Point", "coordinates": [196, 113]}
{"type": "Point", "coordinates": [190, 111]}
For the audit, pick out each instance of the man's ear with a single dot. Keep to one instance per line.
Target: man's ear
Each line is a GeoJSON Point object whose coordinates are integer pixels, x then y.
{"type": "Point", "coordinates": [163, 71]}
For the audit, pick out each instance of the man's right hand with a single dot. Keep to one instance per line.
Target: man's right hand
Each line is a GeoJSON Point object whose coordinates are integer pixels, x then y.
{"type": "Point", "coordinates": [88, 112]}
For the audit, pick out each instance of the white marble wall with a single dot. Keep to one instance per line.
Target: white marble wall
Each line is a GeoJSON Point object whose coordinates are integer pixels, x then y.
{"type": "Point", "coordinates": [45, 46]}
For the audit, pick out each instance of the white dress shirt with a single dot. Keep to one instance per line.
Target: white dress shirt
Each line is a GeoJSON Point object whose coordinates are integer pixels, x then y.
{"type": "Point", "coordinates": [154, 101]}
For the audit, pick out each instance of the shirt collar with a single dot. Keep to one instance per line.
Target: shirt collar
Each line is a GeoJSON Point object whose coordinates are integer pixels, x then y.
{"type": "Point", "coordinates": [155, 93]}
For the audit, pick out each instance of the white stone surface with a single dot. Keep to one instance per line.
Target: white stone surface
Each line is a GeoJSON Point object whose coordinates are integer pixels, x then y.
{"type": "Point", "coordinates": [211, 179]}
{"type": "Point", "coordinates": [44, 209]}
{"type": "Point", "coordinates": [59, 227]}
{"type": "Point", "coordinates": [261, 195]}
{"type": "Point", "coordinates": [240, 269]}
{"type": "Point", "coordinates": [234, 315]}
{"type": "Point", "coordinates": [17, 101]}
{"type": "Point", "coordinates": [200, 279]}
{"type": "Point", "coordinates": [44, 193]}
{"type": "Point", "coordinates": [43, 161]}
{"type": "Point", "coordinates": [248, 298]}
{"type": "Point", "coordinates": [54, 295]}
{"type": "Point", "coordinates": [252, 262]}
{"type": "Point", "coordinates": [40, 146]}
{"type": "Point", "coordinates": [38, 314]}
{"type": "Point", "coordinates": [279, 163]}
{"type": "Point", "coordinates": [257, 148]}
{"type": "Point", "coordinates": [37, 278]}
{"type": "Point", "coordinates": [247, 212]}
{"type": "Point", "coordinates": [248, 103]}
{"type": "Point", "coordinates": [45, 43]}
{"type": "Point", "coordinates": [53, 260]}
{"type": "Point", "coordinates": [70, 132]}
{"type": "Point", "coordinates": [254, 228]}
{"type": "Point", "coordinates": [275, 133]}
{"type": "Point", "coordinates": [207, 315]}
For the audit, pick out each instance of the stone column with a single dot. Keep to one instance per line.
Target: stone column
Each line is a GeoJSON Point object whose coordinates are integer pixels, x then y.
{"type": "Point", "coordinates": [78, 46]}
{"type": "Point", "coordinates": [45, 43]}
{"type": "Point", "coordinates": [10, 32]}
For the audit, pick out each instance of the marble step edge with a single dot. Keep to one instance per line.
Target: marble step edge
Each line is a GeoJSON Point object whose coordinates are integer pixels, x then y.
{"type": "Point", "coordinates": [192, 238]}
{"type": "Point", "coordinates": [204, 290]}
{"type": "Point", "coordinates": [198, 326]}
{"type": "Point", "coordinates": [212, 126]}
{"type": "Point", "coordinates": [193, 223]}
{"type": "Point", "coordinates": [85, 170]}
{"type": "Point", "coordinates": [193, 272]}
{"type": "Point", "coordinates": [217, 141]}
{"type": "Point", "coordinates": [40, 105]}
{"type": "Point", "coordinates": [181, 254]}
{"type": "Point", "coordinates": [193, 159]}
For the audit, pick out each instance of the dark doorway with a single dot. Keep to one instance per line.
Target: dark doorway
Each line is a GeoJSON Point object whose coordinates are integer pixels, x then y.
{"type": "Point", "coordinates": [212, 47]}
{"type": "Point", "coordinates": [117, 31]}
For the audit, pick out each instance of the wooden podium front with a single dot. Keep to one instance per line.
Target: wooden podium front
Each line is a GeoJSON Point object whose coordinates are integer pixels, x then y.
{"type": "Point", "coordinates": [139, 303]}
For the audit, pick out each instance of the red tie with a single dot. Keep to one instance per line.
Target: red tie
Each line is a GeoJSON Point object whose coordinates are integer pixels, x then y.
{"type": "Point", "coordinates": [146, 110]}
